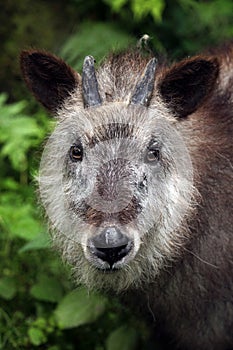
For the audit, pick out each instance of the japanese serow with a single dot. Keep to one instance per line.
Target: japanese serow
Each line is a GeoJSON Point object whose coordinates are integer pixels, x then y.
{"type": "Point", "coordinates": [136, 180]}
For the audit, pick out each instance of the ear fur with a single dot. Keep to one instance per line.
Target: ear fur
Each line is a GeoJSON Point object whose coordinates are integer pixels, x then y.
{"type": "Point", "coordinates": [48, 77]}
{"type": "Point", "coordinates": [185, 86]}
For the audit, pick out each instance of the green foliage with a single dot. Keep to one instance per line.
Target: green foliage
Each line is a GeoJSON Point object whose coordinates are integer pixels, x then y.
{"type": "Point", "coordinates": [37, 336]}
{"type": "Point", "coordinates": [88, 308]}
{"type": "Point", "coordinates": [195, 25]}
{"type": "Point", "coordinates": [123, 338]}
{"type": "Point", "coordinates": [39, 242]}
{"type": "Point", "coordinates": [19, 133]}
{"type": "Point", "coordinates": [47, 289]}
{"type": "Point", "coordinates": [22, 221]}
{"type": "Point", "coordinates": [140, 8]}
{"type": "Point", "coordinates": [24, 25]}
{"type": "Point", "coordinates": [95, 38]}
{"type": "Point", "coordinates": [179, 27]}
{"type": "Point", "coordinates": [7, 288]}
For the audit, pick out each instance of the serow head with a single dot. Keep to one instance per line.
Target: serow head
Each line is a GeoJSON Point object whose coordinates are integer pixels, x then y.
{"type": "Point", "coordinates": [116, 175]}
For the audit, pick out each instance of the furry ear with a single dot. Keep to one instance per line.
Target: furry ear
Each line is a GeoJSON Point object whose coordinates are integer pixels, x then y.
{"type": "Point", "coordinates": [49, 78]}
{"type": "Point", "coordinates": [185, 86]}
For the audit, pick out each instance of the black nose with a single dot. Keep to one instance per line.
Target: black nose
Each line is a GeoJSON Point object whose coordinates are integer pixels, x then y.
{"type": "Point", "coordinates": [111, 245]}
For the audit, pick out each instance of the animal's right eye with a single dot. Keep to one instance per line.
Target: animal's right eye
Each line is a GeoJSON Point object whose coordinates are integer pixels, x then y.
{"type": "Point", "coordinates": [76, 153]}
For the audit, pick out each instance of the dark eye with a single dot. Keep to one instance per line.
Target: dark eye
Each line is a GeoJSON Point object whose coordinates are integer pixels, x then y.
{"type": "Point", "coordinates": [152, 155]}
{"type": "Point", "coordinates": [76, 153]}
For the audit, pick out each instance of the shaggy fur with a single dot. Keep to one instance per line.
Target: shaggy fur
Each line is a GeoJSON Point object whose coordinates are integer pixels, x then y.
{"type": "Point", "coordinates": [175, 210]}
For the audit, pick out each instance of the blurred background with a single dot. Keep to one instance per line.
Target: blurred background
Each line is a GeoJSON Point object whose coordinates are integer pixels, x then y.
{"type": "Point", "coordinates": [40, 308]}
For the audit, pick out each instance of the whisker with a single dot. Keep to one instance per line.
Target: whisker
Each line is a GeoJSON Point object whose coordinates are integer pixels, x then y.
{"type": "Point", "coordinates": [200, 259]}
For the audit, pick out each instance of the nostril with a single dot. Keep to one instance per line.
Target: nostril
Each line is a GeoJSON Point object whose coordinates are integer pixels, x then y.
{"type": "Point", "coordinates": [113, 255]}
{"type": "Point", "coordinates": [110, 246]}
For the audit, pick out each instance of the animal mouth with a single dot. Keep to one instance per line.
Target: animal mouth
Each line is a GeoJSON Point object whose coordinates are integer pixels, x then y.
{"type": "Point", "coordinates": [110, 250]}
{"type": "Point", "coordinates": [113, 258]}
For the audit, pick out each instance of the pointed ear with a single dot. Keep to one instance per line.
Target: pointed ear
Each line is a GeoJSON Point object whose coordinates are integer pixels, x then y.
{"type": "Point", "coordinates": [49, 78]}
{"type": "Point", "coordinates": [185, 86]}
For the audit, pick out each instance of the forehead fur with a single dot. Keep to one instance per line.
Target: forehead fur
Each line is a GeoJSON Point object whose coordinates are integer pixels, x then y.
{"type": "Point", "coordinates": [118, 119]}
{"type": "Point", "coordinates": [119, 74]}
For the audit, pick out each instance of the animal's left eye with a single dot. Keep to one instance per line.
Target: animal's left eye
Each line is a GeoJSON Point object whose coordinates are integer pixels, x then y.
{"type": "Point", "coordinates": [152, 155]}
{"type": "Point", "coordinates": [76, 153]}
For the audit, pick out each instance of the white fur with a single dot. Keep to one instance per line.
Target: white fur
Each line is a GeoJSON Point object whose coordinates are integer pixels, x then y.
{"type": "Point", "coordinates": [157, 229]}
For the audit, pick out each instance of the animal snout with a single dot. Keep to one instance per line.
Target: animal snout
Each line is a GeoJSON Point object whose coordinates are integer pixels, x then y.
{"type": "Point", "coordinates": [114, 179]}
{"type": "Point", "coordinates": [111, 246]}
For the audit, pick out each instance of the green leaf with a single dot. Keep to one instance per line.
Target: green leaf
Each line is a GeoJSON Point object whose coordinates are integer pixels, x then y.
{"type": "Point", "coordinates": [123, 338]}
{"type": "Point", "coordinates": [19, 218]}
{"type": "Point", "coordinates": [40, 242]}
{"type": "Point", "coordinates": [116, 5]}
{"type": "Point", "coordinates": [78, 308]}
{"type": "Point", "coordinates": [18, 133]}
{"type": "Point", "coordinates": [47, 289]}
{"type": "Point", "coordinates": [142, 8]}
{"type": "Point", "coordinates": [7, 288]}
{"type": "Point", "coordinates": [36, 336]}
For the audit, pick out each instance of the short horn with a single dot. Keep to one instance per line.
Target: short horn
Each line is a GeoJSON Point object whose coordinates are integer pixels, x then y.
{"type": "Point", "coordinates": [91, 96]}
{"type": "Point", "coordinates": [144, 88]}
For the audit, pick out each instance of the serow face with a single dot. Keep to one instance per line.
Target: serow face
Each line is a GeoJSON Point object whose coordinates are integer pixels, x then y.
{"type": "Point", "coordinates": [118, 182]}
